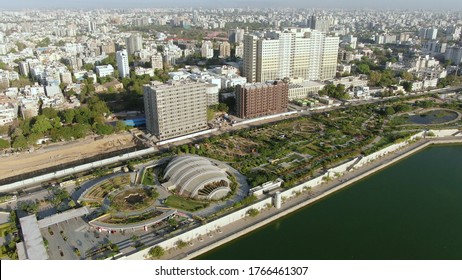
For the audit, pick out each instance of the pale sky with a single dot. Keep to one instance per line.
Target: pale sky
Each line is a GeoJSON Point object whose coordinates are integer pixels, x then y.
{"type": "Point", "coordinates": [343, 4]}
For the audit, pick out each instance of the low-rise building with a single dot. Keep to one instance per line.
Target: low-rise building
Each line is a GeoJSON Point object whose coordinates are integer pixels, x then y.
{"type": "Point", "coordinates": [299, 89]}
{"type": "Point", "coordinates": [350, 81]}
{"type": "Point", "coordinates": [212, 94]}
{"type": "Point", "coordinates": [105, 70]}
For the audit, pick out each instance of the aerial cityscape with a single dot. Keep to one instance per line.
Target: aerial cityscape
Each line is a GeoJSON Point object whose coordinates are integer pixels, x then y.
{"type": "Point", "coordinates": [167, 130]}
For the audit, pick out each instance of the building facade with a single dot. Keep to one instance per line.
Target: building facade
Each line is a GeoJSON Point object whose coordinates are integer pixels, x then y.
{"type": "Point", "coordinates": [294, 52]}
{"type": "Point", "coordinates": [454, 54]}
{"type": "Point", "coordinates": [134, 43]}
{"type": "Point", "coordinates": [122, 64]}
{"type": "Point", "coordinates": [104, 70]}
{"type": "Point", "coordinates": [261, 99]}
{"type": "Point", "coordinates": [157, 62]}
{"type": "Point", "coordinates": [225, 50]}
{"type": "Point", "coordinates": [175, 109]}
{"type": "Point", "coordinates": [207, 49]}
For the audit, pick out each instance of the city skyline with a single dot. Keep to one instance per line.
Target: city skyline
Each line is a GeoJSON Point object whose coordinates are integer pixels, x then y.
{"type": "Point", "coordinates": [328, 4]}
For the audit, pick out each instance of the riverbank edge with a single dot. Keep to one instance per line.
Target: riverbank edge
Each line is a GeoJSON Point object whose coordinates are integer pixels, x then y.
{"type": "Point", "coordinates": [311, 200]}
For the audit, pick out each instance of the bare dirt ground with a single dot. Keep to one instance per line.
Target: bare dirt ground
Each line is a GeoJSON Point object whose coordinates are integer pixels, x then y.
{"type": "Point", "coordinates": [60, 153]}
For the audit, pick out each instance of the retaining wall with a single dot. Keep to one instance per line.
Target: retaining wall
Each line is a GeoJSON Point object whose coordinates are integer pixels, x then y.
{"type": "Point", "coordinates": [265, 118]}
{"type": "Point", "coordinates": [444, 133]}
{"type": "Point", "coordinates": [341, 168]}
{"type": "Point", "coordinates": [186, 136]}
{"type": "Point", "coordinates": [73, 170]}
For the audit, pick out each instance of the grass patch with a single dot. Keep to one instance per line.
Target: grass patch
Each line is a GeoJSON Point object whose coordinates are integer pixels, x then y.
{"type": "Point", "coordinates": [148, 178]}
{"type": "Point", "coordinates": [179, 202]}
{"type": "Point", "coordinates": [5, 228]}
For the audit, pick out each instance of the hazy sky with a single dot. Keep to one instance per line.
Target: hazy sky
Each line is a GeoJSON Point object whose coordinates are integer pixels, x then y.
{"type": "Point", "coordinates": [345, 4]}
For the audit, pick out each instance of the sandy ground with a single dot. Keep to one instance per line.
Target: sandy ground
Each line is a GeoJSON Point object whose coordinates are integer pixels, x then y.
{"type": "Point", "coordinates": [60, 153]}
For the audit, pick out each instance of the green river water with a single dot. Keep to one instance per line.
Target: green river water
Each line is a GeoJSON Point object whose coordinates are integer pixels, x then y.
{"type": "Point", "coordinates": [411, 210]}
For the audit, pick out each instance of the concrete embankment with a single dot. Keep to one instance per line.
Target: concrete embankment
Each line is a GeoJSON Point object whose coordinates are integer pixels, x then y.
{"type": "Point", "coordinates": [302, 201]}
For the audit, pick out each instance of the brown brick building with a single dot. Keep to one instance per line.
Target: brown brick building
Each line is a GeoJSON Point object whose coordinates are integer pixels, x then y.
{"type": "Point", "coordinates": [261, 99]}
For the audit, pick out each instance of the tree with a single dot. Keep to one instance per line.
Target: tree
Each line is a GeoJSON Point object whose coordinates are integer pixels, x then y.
{"type": "Point", "coordinates": [364, 69]}
{"type": "Point", "coordinates": [389, 111]}
{"type": "Point", "coordinates": [41, 124]}
{"type": "Point", "coordinates": [28, 206]}
{"type": "Point", "coordinates": [44, 43]}
{"type": "Point", "coordinates": [119, 126]}
{"type": "Point", "coordinates": [49, 112]}
{"type": "Point", "coordinates": [21, 46]}
{"type": "Point", "coordinates": [375, 78]}
{"type": "Point", "coordinates": [88, 66]}
{"type": "Point", "coordinates": [67, 116]}
{"type": "Point", "coordinates": [33, 138]}
{"type": "Point", "coordinates": [84, 115]}
{"type": "Point", "coordinates": [156, 252]}
{"type": "Point", "coordinates": [20, 142]}
{"type": "Point", "coordinates": [4, 144]}
{"type": "Point", "coordinates": [21, 82]}
{"type": "Point", "coordinates": [80, 130]}
{"type": "Point", "coordinates": [407, 76]}
{"type": "Point", "coordinates": [403, 108]}
{"type": "Point", "coordinates": [3, 66]}
{"type": "Point", "coordinates": [103, 129]}
{"type": "Point", "coordinates": [407, 86]}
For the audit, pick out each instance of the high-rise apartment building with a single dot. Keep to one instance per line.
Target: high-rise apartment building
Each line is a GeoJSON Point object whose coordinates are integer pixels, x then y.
{"type": "Point", "coordinates": [454, 54]}
{"type": "Point", "coordinates": [320, 24]}
{"type": "Point", "coordinates": [108, 48]}
{"type": "Point", "coordinates": [176, 108]}
{"type": "Point", "coordinates": [24, 68]}
{"type": "Point", "coordinates": [225, 50]}
{"type": "Point", "coordinates": [261, 99]}
{"type": "Point", "coordinates": [428, 33]}
{"type": "Point", "coordinates": [302, 53]}
{"type": "Point", "coordinates": [207, 49]}
{"type": "Point", "coordinates": [236, 35]}
{"type": "Point", "coordinates": [134, 43]}
{"type": "Point", "coordinates": [239, 50]}
{"type": "Point", "coordinates": [329, 58]}
{"type": "Point", "coordinates": [91, 26]}
{"type": "Point", "coordinates": [157, 62]}
{"type": "Point", "coordinates": [122, 64]}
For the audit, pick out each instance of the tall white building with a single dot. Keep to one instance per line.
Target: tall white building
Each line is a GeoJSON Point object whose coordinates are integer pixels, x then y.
{"type": "Point", "coordinates": [176, 108]}
{"type": "Point", "coordinates": [225, 50]}
{"type": "Point", "coordinates": [239, 51]}
{"type": "Point", "coordinates": [428, 33]}
{"type": "Point", "coordinates": [122, 64]}
{"type": "Point", "coordinates": [134, 43]}
{"type": "Point", "coordinates": [304, 53]}
{"type": "Point", "coordinates": [157, 61]}
{"type": "Point", "coordinates": [207, 49]}
{"type": "Point", "coordinates": [454, 54]}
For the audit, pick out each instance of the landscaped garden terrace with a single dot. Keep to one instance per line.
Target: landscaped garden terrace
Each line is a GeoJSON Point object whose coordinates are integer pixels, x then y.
{"type": "Point", "coordinates": [300, 148]}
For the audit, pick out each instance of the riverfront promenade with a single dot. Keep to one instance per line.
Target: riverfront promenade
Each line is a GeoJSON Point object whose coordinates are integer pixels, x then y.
{"type": "Point", "coordinates": [234, 230]}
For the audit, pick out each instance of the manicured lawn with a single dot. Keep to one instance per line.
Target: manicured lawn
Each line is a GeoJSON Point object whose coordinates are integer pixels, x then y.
{"type": "Point", "coordinates": [148, 179]}
{"type": "Point", "coordinates": [179, 202]}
